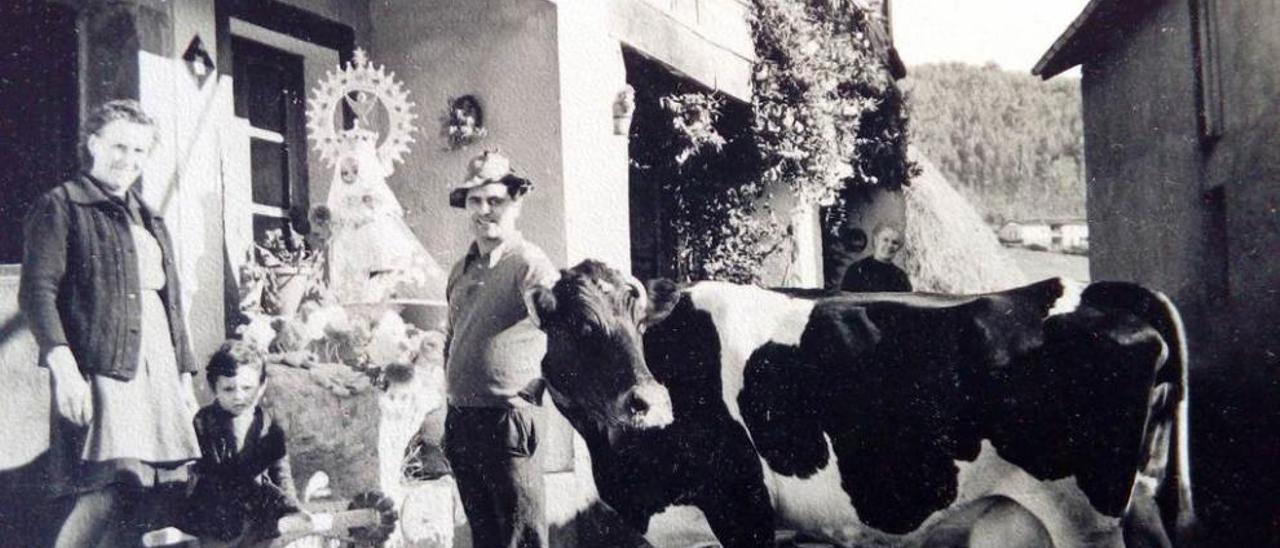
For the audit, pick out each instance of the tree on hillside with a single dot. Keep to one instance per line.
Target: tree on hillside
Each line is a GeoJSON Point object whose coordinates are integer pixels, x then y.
{"type": "Point", "coordinates": [1011, 143]}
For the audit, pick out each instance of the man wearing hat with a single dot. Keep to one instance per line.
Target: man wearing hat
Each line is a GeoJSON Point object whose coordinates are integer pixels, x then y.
{"type": "Point", "coordinates": [493, 361]}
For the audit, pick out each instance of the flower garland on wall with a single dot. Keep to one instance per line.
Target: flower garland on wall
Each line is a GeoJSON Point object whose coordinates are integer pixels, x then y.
{"type": "Point", "coordinates": [723, 230]}
{"type": "Point", "coordinates": [827, 119]}
{"type": "Point", "coordinates": [693, 117]}
{"type": "Point", "coordinates": [699, 146]}
{"type": "Point", "coordinates": [829, 116]}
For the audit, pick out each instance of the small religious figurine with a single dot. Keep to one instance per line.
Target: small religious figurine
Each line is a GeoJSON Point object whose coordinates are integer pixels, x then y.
{"type": "Point", "coordinates": [373, 255]}
{"type": "Point", "coordinates": [624, 107]}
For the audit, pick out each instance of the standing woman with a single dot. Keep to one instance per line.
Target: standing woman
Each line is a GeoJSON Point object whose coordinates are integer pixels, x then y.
{"type": "Point", "coordinates": [877, 272]}
{"type": "Point", "coordinates": [100, 292]}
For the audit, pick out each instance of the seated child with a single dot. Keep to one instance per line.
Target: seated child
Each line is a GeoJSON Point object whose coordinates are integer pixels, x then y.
{"type": "Point", "coordinates": [242, 481]}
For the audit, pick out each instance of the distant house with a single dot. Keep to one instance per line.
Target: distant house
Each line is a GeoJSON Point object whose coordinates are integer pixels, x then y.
{"type": "Point", "coordinates": [1029, 233]}
{"type": "Point", "coordinates": [1073, 236]}
{"type": "Point", "coordinates": [1010, 233]}
{"type": "Point", "coordinates": [1056, 235]}
{"type": "Point", "coordinates": [1181, 117]}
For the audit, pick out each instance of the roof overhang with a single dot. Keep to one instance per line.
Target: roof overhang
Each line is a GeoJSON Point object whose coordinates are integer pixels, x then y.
{"type": "Point", "coordinates": [882, 43]}
{"type": "Point", "coordinates": [1097, 29]}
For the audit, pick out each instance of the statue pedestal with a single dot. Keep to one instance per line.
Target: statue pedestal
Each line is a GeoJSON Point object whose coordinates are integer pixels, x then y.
{"type": "Point", "coordinates": [425, 314]}
{"type": "Point", "coordinates": [337, 422]}
{"type": "Point", "coordinates": [331, 416]}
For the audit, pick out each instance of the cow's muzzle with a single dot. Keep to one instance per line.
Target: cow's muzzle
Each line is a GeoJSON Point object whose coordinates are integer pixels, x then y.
{"type": "Point", "coordinates": [647, 405]}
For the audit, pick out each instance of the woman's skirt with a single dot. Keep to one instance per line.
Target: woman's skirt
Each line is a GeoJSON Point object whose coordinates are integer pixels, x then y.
{"type": "Point", "coordinates": [141, 434]}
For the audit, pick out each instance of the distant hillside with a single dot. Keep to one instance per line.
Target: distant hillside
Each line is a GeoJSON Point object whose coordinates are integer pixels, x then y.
{"type": "Point", "coordinates": [1010, 142]}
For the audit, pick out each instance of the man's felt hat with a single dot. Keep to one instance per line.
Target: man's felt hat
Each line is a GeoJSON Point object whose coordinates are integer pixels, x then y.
{"type": "Point", "coordinates": [489, 167]}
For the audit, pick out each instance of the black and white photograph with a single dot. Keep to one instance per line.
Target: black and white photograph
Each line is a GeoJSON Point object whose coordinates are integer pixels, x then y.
{"type": "Point", "coordinates": [640, 273]}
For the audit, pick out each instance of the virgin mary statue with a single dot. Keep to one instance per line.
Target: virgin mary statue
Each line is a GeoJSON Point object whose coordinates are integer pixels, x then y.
{"type": "Point", "coordinates": [373, 255]}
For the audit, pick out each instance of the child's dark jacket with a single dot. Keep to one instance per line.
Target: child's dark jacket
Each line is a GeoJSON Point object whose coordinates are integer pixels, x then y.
{"type": "Point", "coordinates": [239, 492]}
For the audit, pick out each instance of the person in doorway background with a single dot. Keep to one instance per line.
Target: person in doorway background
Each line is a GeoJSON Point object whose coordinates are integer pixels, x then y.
{"type": "Point", "coordinates": [100, 292]}
{"type": "Point", "coordinates": [493, 363]}
{"type": "Point", "coordinates": [877, 272]}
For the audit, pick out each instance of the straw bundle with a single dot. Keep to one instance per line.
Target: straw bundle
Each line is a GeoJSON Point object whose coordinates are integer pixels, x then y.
{"type": "Point", "coordinates": [948, 248]}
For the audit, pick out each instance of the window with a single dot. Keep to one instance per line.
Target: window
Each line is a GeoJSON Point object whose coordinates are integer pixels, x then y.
{"type": "Point", "coordinates": [39, 106]}
{"type": "Point", "coordinates": [269, 93]}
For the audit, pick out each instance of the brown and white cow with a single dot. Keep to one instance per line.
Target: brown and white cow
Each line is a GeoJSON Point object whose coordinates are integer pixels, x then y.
{"type": "Point", "coordinates": [877, 419]}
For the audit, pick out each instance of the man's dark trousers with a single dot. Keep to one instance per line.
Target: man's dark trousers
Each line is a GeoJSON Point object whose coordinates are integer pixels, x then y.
{"type": "Point", "coordinates": [491, 450]}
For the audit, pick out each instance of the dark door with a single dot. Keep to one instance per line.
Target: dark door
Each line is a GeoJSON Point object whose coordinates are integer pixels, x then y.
{"type": "Point", "coordinates": [39, 122]}
{"type": "Point", "coordinates": [664, 194]}
{"type": "Point", "coordinates": [39, 110]}
{"type": "Point", "coordinates": [653, 241]}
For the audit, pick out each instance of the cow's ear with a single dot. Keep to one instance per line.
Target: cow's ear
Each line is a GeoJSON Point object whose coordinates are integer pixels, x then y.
{"type": "Point", "coordinates": [541, 303]}
{"type": "Point", "coordinates": [663, 296]}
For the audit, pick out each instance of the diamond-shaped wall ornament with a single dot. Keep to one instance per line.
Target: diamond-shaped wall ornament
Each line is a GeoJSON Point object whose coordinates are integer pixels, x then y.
{"type": "Point", "coordinates": [198, 62]}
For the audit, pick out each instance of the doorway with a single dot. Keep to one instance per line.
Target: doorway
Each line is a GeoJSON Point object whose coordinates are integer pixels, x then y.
{"type": "Point", "coordinates": [657, 207]}
{"type": "Point", "coordinates": [39, 110]}
{"type": "Point", "coordinates": [39, 140]}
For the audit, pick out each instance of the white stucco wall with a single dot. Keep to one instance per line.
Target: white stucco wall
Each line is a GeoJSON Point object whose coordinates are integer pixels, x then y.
{"type": "Point", "coordinates": [595, 158]}
{"type": "Point", "coordinates": [24, 409]}
{"type": "Point", "coordinates": [707, 40]}
{"type": "Point", "coordinates": [183, 179]}
{"type": "Point", "coordinates": [806, 265]}
{"type": "Point", "coordinates": [506, 53]}
{"type": "Point", "coordinates": [503, 52]}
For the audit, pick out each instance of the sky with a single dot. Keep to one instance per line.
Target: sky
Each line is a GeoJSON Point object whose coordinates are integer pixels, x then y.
{"type": "Point", "coordinates": [1013, 33]}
